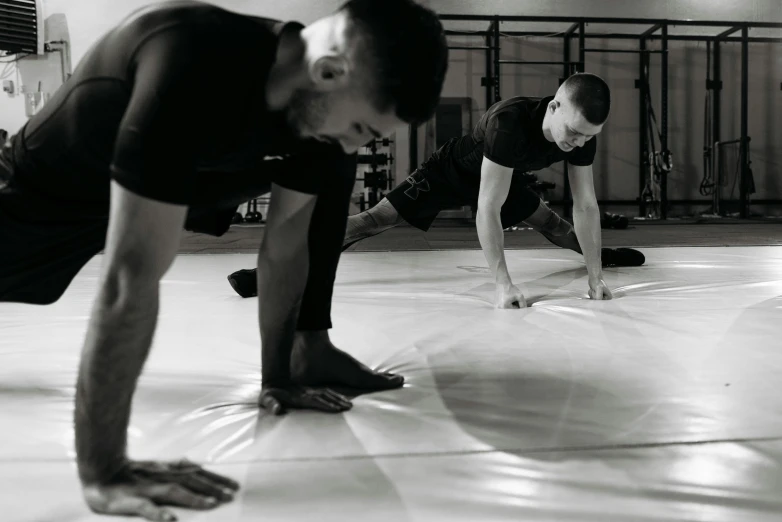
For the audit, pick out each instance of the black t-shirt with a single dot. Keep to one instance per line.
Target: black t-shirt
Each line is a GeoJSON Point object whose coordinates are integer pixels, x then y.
{"type": "Point", "coordinates": [171, 104]}
{"type": "Point", "coordinates": [510, 134]}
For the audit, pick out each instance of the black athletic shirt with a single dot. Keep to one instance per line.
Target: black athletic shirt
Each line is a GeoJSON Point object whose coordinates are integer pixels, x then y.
{"type": "Point", "coordinates": [510, 134]}
{"type": "Point", "coordinates": [171, 104]}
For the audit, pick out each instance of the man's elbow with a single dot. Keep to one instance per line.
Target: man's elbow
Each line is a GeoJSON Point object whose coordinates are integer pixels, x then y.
{"type": "Point", "coordinates": [586, 207]}
{"type": "Point", "coordinates": [488, 209]}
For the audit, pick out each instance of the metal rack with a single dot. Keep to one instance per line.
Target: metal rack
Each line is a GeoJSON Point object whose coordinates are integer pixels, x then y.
{"type": "Point", "coordinates": [658, 30]}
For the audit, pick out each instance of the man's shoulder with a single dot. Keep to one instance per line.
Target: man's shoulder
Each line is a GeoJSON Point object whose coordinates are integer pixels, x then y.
{"type": "Point", "coordinates": [197, 21]}
{"type": "Point", "coordinates": [518, 104]}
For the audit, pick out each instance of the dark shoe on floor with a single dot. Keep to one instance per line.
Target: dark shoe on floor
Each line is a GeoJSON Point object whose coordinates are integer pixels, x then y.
{"type": "Point", "coordinates": [622, 257]}
{"type": "Point", "coordinates": [245, 282]}
{"type": "Point", "coordinates": [615, 221]}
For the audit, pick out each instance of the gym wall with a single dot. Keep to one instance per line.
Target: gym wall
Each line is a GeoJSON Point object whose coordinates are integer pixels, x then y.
{"type": "Point", "coordinates": [734, 10]}
{"type": "Point", "coordinates": [617, 163]}
{"type": "Point", "coordinates": [88, 20]}
{"type": "Point", "coordinates": [616, 169]}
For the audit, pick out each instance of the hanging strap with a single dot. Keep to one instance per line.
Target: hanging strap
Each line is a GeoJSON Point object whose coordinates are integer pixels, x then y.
{"type": "Point", "coordinates": [663, 162]}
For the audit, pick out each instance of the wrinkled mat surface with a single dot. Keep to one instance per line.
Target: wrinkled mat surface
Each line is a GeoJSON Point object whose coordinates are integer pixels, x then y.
{"type": "Point", "coordinates": [663, 404]}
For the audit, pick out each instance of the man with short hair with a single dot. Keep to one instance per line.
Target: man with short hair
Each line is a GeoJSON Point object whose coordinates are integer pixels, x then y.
{"type": "Point", "coordinates": [119, 160]}
{"type": "Point", "coordinates": [486, 167]}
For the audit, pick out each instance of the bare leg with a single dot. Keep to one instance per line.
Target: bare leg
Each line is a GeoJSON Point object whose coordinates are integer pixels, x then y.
{"type": "Point", "coordinates": [315, 361]}
{"type": "Point", "coordinates": [562, 234]}
{"type": "Point", "coordinates": [379, 218]}
{"type": "Point", "coordinates": [553, 228]}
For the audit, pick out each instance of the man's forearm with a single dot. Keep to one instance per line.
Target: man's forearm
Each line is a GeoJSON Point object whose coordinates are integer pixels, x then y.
{"type": "Point", "coordinates": [586, 223]}
{"type": "Point", "coordinates": [281, 284]}
{"type": "Point", "coordinates": [492, 241]}
{"type": "Point", "coordinates": [117, 344]}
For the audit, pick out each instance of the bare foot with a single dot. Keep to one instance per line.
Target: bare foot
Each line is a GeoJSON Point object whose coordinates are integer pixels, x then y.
{"type": "Point", "coordinates": [315, 361]}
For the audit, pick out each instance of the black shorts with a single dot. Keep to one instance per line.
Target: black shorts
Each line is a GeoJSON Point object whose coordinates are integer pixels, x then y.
{"type": "Point", "coordinates": [437, 185]}
{"type": "Point", "coordinates": [45, 243]}
{"type": "Point", "coordinates": [40, 251]}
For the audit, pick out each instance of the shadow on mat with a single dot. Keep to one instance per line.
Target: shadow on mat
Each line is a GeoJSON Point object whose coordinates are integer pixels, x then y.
{"type": "Point", "coordinates": [546, 417]}
{"type": "Point", "coordinates": [524, 396]}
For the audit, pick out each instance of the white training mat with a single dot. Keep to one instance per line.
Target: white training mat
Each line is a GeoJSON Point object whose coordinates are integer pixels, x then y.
{"type": "Point", "coordinates": [661, 405]}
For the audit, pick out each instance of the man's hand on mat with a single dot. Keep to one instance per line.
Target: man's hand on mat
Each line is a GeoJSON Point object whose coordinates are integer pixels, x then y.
{"type": "Point", "coordinates": [509, 296]}
{"type": "Point", "coordinates": [142, 487]}
{"type": "Point", "coordinates": [598, 290]}
{"type": "Point", "coordinates": [278, 399]}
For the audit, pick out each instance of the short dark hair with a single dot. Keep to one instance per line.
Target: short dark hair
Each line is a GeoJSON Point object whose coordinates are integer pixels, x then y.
{"type": "Point", "coordinates": [589, 94]}
{"type": "Point", "coordinates": [408, 52]}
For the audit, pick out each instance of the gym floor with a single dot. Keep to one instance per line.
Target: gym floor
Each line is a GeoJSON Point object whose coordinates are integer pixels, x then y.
{"type": "Point", "coordinates": [660, 405]}
{"type": "Point", "coordinates": [459, 235]}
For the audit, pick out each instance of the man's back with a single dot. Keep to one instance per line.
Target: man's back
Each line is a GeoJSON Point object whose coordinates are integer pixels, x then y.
{"type": "Point", "coordinates": [68, 149]}
{"type": "Point", "coordinates": [510, 134]}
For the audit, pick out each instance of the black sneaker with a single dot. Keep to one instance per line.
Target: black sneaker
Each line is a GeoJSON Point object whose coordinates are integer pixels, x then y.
{"type": "Point", "coordinates": [245, 282]}
{"type": "Point", "coordinates": [615, 221]}
{"type": "Point", "coordinates": [622, 257]}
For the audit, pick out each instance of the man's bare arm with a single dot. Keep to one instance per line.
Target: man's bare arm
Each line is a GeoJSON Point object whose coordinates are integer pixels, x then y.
{"type": "Point", "coordinates": [142, 241]}
{"type": "Point", "coordinates": [495, 185]}
{"type": "Point", "coordinates": [586, 221]}
{"type": "Point", "coordinates": [143, 238]}
{"type": "Point", "coordinates": [586, 218]}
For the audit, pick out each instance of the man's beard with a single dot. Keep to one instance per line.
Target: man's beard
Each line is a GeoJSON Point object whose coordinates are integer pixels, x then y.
{"type": "Point", "coordinates": [307, 113]}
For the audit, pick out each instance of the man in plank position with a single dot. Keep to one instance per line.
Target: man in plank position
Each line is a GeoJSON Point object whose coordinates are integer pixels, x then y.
{"type": "Point", "coordinates": [485, 168]}
{"type": "Point", "coordinates": [118, 161]}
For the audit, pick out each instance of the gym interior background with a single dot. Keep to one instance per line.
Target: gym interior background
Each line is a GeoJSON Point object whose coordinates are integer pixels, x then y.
{"type": "Point", "coordinates": [663, 405]}
{"type": "Point", "coordinates": [695, 111]}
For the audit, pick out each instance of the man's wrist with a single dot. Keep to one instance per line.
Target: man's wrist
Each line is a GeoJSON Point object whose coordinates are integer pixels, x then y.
{"type": "Point", "coordinates": [504, 281]}
{"type": "Point", "coordinates": [91, 474]}
{"type": "Point", "coordinates": [276, 381]}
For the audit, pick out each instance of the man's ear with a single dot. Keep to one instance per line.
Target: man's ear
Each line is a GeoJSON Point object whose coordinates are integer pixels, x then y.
{"type": "Point", "coordinates": [553, 105]}
{"type": "Point", "coordinates": [329, 73]}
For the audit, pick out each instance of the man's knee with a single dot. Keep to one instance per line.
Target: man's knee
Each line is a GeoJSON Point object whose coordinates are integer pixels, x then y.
{"type": "Point", "coordinates": [379, 218]}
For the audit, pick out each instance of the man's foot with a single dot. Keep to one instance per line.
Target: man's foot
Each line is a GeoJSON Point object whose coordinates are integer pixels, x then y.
{"type": "Point", "coordinates": [245, 282]}
{"type": "Point", "coordinates": [622, 257]}
{"type": "Point", "coordinates": [315, 361]}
